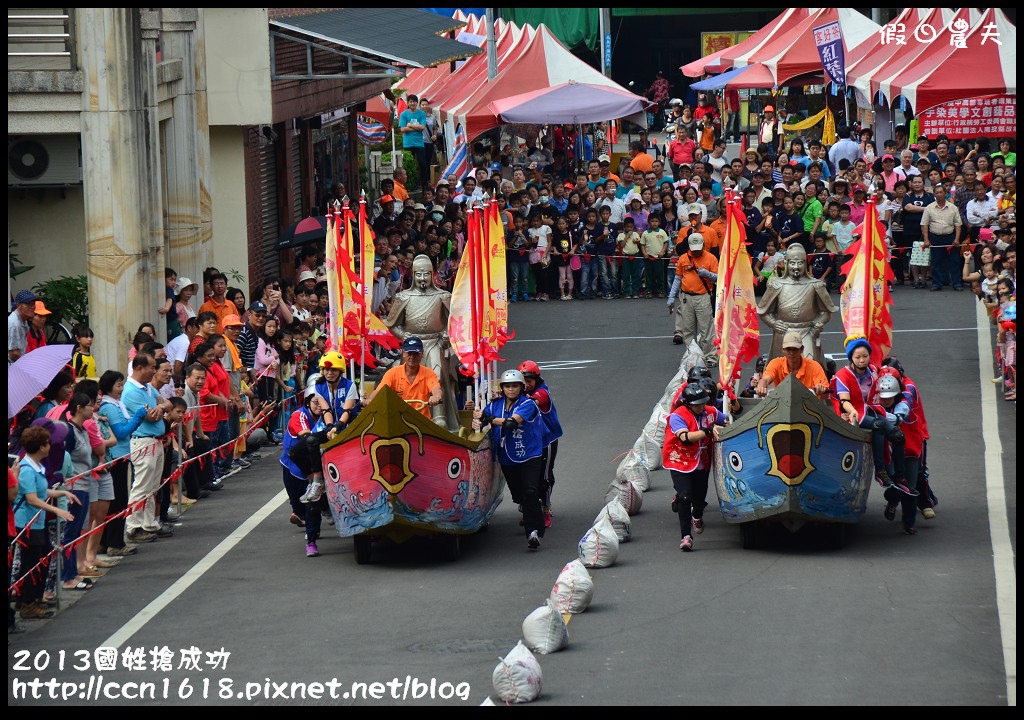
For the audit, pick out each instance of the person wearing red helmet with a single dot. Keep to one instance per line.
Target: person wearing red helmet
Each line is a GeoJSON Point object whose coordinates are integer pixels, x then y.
{"type": "Point", "coordinates": [538, 391]}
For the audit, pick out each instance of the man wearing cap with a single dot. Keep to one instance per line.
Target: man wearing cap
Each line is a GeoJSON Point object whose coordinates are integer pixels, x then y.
{"type": "Point", "coordinates": [690, 298]}
{"type": "Point", "coordinates": [412, 381]}
{"type": "Point", "coordinates": [890, 173]}
{"type": "Point", "coordinates": [421, 312]}
{"type": "Point", "coordinates": [18, 324]}
{"type": "Point", "coordinates": [770, 133]}
{"type": "Point", "coordinates": [388, 216]}
{"type": "Point", "coordinates": [248, 339]}
{"type": "Point", "coordinates": [809, 372]}
{"type": "Point", "coordinates": [605, 164]}
{"type": "Point", "coordinates": [218, 304]}
{"type": "Point", "coordinates": [37, 328]}
{"type": "Point", "coordinates": [858, 208]}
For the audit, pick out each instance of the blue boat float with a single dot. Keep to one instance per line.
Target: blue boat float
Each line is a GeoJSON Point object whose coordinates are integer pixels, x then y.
{"type": "Point", "coordinates": [790, 459]}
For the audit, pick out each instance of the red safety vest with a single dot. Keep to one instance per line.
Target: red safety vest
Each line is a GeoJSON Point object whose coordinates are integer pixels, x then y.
{"type": "Point", "coordinates": [849, 379]}
{"type": "Point", "coordinates": [684, 457]}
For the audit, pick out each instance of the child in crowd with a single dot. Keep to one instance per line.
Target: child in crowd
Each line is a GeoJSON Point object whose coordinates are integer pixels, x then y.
{"type": "Point", "coordinates": [170, 298]}
{"type": "Point", "coordinates": [81, 358]}
{"type": "Point", "coordinates": [561, 250]}
{"type": "Point", "coordinates": [769, 260]}
{"type": "Point", "coordinates": [821, 260]}
{"type": "Point", "coordinates": [628, 244]}
{"type": "Point", "coordinates": [654, 243]}
{"type": "Point", "coordinates": [920, 263]}
{"type": "Point", "coordinates": [517, 244]}
{"type": "Point", "coordinates": [540, 243]}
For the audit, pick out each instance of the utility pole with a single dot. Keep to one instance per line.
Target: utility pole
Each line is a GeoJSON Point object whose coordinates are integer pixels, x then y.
{"type": "Point", "coordinates": [492, 51]}
{"type": "Point", "coordinates": [605, 23]}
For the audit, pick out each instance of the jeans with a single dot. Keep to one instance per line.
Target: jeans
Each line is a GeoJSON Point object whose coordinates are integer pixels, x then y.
{"type": "Point", "coordinates": [588, 277]}
{"type": "Point", "coordinates": [632, 272]}
{"type": "Point", "coordinates": [941, 260]}
{"type": "Point", "coordinates": [609, 275]}
{"type": "Point", "coordinates": [217, 438]}
{"type": "Point", "coordinates": [520, 278]}
{"type": "Point", "coordinates": [691, 490]}
{"type": "Point", "coordinates": [878, 440]}
{"type": "Point", "coordinates": [73, 529]}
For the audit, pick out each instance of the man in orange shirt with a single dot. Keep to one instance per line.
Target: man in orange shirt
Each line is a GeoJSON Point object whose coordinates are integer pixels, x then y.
{"type": "Point", "coordinates": [414, 383]}
{"type": "Point", "coordinates": [690, 298]}
{"type": "Point", "coordinates": [639, 160]}
{"type": "Point", "coordinates": [401, 178]}
{"type": "Point", "coordinates": [217, 304]}
{"type": "Point", "coordinates": [808, 371]}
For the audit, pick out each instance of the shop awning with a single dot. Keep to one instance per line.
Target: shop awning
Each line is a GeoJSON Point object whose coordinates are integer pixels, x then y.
{"type": "Point", "coordinates": [402, 36]}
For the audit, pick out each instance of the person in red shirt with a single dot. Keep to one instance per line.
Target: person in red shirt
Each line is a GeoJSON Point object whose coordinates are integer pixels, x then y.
{"type": "Point", "coordinates": [214, 395]}
{"type": "Point", "coordinates": [37, 328]}
{"type": "Point", "coordinates": [732, 108]}
{"type": "Point", "coordinates": [708, 122]}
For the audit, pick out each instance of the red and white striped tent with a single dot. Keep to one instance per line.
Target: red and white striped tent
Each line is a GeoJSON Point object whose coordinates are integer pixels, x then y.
{"type": "Point", "coordinates": [783, 52]}
{"type": "Point", "coordinates": [931, 73]}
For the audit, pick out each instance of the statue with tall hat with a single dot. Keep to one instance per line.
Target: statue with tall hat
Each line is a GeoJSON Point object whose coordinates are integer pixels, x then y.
{"type": "Point", "coordinates": [796, 301]}
{"type": "Point", "coordinates": [422, 311]}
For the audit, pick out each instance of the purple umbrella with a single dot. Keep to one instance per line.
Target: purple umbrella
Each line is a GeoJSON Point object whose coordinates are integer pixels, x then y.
{"type": "Point", "coordinates": [572, 102]}
{"type": "Point", "coordinates": [31, 373]}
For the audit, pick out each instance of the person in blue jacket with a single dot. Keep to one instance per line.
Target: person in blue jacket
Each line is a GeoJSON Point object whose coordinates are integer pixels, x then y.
{"type": "Point", "coordinates": [538, 390]}
{"type": "Point", "coordinates": [517, 436]}
{"type": "Point", "coordinates": [300, 461]}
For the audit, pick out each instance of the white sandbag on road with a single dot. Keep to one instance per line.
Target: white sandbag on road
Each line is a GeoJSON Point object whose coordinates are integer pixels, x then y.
{"type": "Point", "coordinates": [517, 677]}
{"type": "Point", "coordinates": [544, 629]}
{"type": "Point", "coordinates": [599, 547]}
{"type": "Point", "coordinates": [619, 519]}
{"type": "Point", "coordinates": [626, 492]}
{"type": "Point", "coordinates": [632, 469]}
{"type": "Point", "coordinates": [574, 588]}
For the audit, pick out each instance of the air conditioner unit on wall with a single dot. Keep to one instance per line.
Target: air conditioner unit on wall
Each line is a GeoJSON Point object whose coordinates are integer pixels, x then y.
{"type": "Point", "coordinates": [44, 160]}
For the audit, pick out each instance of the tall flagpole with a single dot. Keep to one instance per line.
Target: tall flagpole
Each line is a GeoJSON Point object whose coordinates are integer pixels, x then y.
{"type": "Point", "coordinates": [362, 270]}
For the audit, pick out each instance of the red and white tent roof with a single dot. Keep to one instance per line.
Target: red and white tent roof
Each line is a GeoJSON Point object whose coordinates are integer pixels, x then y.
{"type": "Point", "coordinates": [931, 73]}
{"type": "Point", "coordinates": [784, 48]}
{"type": "Point", "coordinates": [543, 62]}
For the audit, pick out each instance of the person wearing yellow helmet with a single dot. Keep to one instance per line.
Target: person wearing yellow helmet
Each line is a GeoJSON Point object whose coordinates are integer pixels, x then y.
{"type": "Point", "coordinates": [340, 392]}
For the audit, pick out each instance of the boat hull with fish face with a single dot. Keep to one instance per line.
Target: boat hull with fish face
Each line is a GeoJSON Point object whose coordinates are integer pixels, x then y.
{"type": "Point", "coordinates": [791, 459]}
{"type": "Point", "coordinates": [394, 473]}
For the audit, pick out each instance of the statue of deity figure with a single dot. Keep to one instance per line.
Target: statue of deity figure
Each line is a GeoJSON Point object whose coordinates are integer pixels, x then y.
{"type": "Point", "coordinates": [796, 301]}
{"type": "Point", "coordinates": [423, 311]}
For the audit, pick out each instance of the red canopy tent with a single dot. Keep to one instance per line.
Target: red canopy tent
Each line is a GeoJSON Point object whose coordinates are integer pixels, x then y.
{"type": "Point", "coordinates": [942, 72]}
{"type": "Point", "coordinates": [723, 59]}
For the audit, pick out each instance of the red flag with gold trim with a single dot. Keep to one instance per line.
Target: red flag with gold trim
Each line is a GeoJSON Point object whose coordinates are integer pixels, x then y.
{"type": "Point", "coordinates": [736, 322]}
{"type": "Point", "coordinates": [865, 297]}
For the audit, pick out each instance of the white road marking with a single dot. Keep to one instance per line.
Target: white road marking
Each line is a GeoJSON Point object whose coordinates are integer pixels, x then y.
{"type": "Point", "coordinates": [998, 523]}
{"type": "Point", "coordinates": [666, 337]}
{"type": "Point", "coordinates": [546, 365]}
{"type": "Point", "coordinates": [194, 573]}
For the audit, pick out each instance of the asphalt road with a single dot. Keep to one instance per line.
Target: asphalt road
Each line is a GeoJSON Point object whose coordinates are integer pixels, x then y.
{"type": "Point", "coordinates": [887, 620]}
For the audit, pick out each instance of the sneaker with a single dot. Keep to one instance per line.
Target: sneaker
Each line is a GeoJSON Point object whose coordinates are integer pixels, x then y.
{"type": "Point", "coordinates": [241, 464]}
{"type": "Point", "coordinates": [698, 525]}
{"type": "Point", "coordinates": [138, 535]}
{"type": "Point", "coordinates": [928, 514]}
{"type": "Point", "coordinates": [675, 504]}
{"type": "Point", "coordinates": [909, 530]}
{"type": "Point", "coordinates": [296, 520]}
{"type": "Point", "coordinates": [15, 629]}
{"type": "Point", "coordinates": [121, 551]}
{"type": "Point", "coordinates": [215, 485]}
{"type": "Point", "coordinates": [547, 518]}
{"type": "Point", "coordinates": [252, 456]}
{"type": "Point", "coordinates": [997, 379]}
{"type": "Point", "coordinates": [533, 540]}
{"type": "Point", "coordinates": [312, 550]}
{"type": "Point", "coordinates": [163, 532]}
{"type": "Point", "coordinates": [513, 299]}
{"type": "Point", "coordinates": [883, 479]}
{"type": "Point", "coordinates": [890, 512]}
{"type": "Point", "coordinates": [313, 492]}
{"type": "Point", "coordinates": [687, 544]}
{"type": "Point", "coordinates": [902, 486]}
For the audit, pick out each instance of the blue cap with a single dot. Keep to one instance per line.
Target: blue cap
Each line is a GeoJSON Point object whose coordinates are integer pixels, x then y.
{"type": "Point", "coordinates": [25, 297]}
{"type": "Point", "coordinates": [495, 167]}
{"type": "Point", "coordinates": [412, 344]}
{"type": "Point", "coordinates": [258, 306]}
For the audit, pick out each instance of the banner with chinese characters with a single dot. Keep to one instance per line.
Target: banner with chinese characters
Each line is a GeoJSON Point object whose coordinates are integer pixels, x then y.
{"type": "Point", "coordinates": [994, 116]}
{"type": "Point", "coordinates": [829, 41]}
